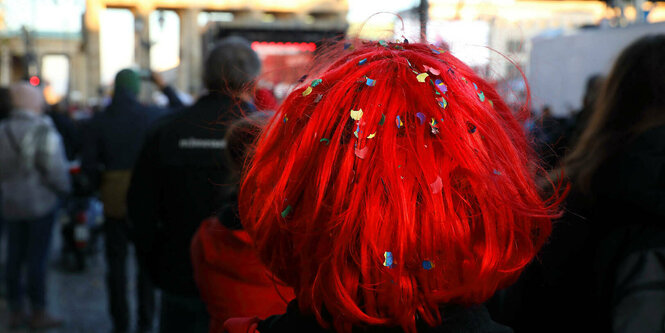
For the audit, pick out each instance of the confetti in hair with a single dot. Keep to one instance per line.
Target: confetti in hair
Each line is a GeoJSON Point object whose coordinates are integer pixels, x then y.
{"type": "Point", "coordinates": [427, 265]}
{"type": "Point", "coordinates": [421, 117]}
{"type": "Point", "coordinates": [399, 122]}
{"type": "Point", "coordinates": [388, 259]}
{"type": "Point", "coordinates": [356, 198]}
{"type": "Point", "coordinates": [421, 77]}
{"type": "Point", "coordinates": [356, 114]}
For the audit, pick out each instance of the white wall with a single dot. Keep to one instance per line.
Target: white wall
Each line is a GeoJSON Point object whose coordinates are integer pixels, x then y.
{"type": "Point", "coordinates": [560, 66]}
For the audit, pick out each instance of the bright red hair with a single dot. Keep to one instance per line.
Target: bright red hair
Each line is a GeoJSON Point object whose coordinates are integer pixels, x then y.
{"type": "Point", "coordinates": [435, 172]}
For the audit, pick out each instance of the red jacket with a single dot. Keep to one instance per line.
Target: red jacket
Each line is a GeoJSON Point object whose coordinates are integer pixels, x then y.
{"type": "Point", "coordinates": [231, 279]}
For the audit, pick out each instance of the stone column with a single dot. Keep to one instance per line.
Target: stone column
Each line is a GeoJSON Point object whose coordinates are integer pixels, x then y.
{"type": "Point", "coordinates": [5, 63]}
{"type": "Point", "coordinates": [191, 57]}
{"type": "Point", "coordinates": [93, 10]}
{"type": "Point", "coordinates": [142, 44]}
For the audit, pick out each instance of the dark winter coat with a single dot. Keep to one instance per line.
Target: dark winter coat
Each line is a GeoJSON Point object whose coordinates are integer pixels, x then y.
{"type": "Point", "coordinates": [177, 184]}
{"type": "Point", "coordinates": [604, 267]}
{"type": "Point", "coordinates": [113, 138]}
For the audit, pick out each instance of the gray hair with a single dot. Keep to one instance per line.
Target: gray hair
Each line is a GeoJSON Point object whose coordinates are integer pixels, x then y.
{"type": "Point", "coordinates": [231, 65]}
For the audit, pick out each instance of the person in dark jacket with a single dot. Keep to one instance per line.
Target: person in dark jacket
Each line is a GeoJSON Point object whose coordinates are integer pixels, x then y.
{"type": "Point", "coordinates": [68, 129]}
{"type": "Point", "coordinates": [227, 269]}
{"type": "Point", "coordinates": [177, 181]}
{"type": "Point", "coordinates": [5, 108]}
{"type": "Point", "coordinates": [113, 141]}
{"type": "Point", "coordinates": [603, 269]}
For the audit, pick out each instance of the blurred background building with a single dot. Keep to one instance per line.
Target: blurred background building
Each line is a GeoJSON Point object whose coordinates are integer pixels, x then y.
{"type": "Point", "coordinates": [74, 47]}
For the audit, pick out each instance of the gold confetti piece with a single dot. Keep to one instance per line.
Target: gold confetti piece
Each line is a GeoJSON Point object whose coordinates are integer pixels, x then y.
{"type": "Point", "coordinates": [371, 136]}
{"type": "Point", "coordinates": [421, 77]}
{"type": "Point", "coordinates": [307, 91]}
{"type": "Point", "coordinates": [356, 115]}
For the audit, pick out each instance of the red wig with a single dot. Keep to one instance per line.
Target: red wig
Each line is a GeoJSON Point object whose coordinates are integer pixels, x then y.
{"type": "Point", "coordinates": [392, 182]}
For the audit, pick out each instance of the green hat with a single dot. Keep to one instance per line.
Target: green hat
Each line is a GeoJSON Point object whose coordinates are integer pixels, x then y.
{"type": "Point", "coordinates": [127, 80]}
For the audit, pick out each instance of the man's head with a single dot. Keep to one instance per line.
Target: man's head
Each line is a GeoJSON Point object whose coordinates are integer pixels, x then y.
{"type": "Point", "coordinates": [127, 80]}
{"type": "Point", "coordinates": [26, 97]}
{"type": "Point", "coordinates": [231, 66]}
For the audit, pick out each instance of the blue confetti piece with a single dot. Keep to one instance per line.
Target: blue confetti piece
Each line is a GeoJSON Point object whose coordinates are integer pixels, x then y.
{"type": "Point", "coordinates": [421, 117]}
{"type": "Point", "coordinates": [383, 43]}
{"type": "Point", "coordinates": [497, 172]}
{"type": "Point", "coordinates": [427, 265]}
{"type": "Point", "coordinates": [471, 127]}
{"type": "Point", "coordinates": [370, 82]}
{"type": "Point", "coordinates": [347, 45]}
{"type": "Point", "coordinates": [398, 122]}
{"type": "Point", "coordinates": [361, 62]}
{"type": "Point", "coordinates": [441, 86]}
{"type": "Point", "coordinates": [481, 96]}
{"type": "Point", "coordinates": [442, 102]}
{"type": "Point", "coordinates": [316, 82]}
{"type": "Point", "coordinates": [435, 51]}
{"type": "Point", "coordinates": [388, 262]}
{"type": "Point", "coordinates": [475, 86]}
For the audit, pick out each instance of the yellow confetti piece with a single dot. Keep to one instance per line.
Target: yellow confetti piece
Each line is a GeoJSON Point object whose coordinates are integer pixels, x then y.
{"type": "Point", "coordinates": [421, 77]}
{"type": "Point", "coordinates": [356, 115]}
{"type": "Point", "coordinates": [371, 136]}
{"type": "Point", "coordinates": [307, 91]}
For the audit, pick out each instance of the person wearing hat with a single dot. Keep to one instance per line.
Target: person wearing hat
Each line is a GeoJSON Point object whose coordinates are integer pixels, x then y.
{"type": "Point", "coordinates": [112, 144]}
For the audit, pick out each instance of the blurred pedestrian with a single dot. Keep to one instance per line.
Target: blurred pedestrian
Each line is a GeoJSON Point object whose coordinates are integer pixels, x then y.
{"type": "Point", "coordinates": [68, 129]}
{"type": "Point", "coordinates": [603, 269]}
{"type": "Point", "coordinates": [5, 108]}
{"type": "Point", "coordinates": [581, 119]}
{"type": "Point", "coordinates": [394, 191]}
{"type": "Point", "coordinates": [176, 183]}
{"type": "Point", "coordinates": [228, 272]}
{"type": "Point", "coordinates": [113, 141]}
{"type": "Point", "coordinates": [33, 175]}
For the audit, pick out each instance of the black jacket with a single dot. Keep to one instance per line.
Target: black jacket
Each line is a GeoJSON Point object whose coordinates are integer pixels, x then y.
{"type": "Point", "coordinates": [113, 138]}
{"type": "Point", "coordinates": [176, 184]}
{"type": "Point", "coordinates": [603, 269]}
{"type": "Point", "coordinates": [456, 319]}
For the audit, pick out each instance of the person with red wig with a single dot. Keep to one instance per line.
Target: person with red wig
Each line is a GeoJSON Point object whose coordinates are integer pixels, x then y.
{"type": "Point", "coordinates": [394, 190]}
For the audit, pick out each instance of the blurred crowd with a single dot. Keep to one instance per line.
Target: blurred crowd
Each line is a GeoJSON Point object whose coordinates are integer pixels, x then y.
{"type": "Point", "coordinates": [165, 180]}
